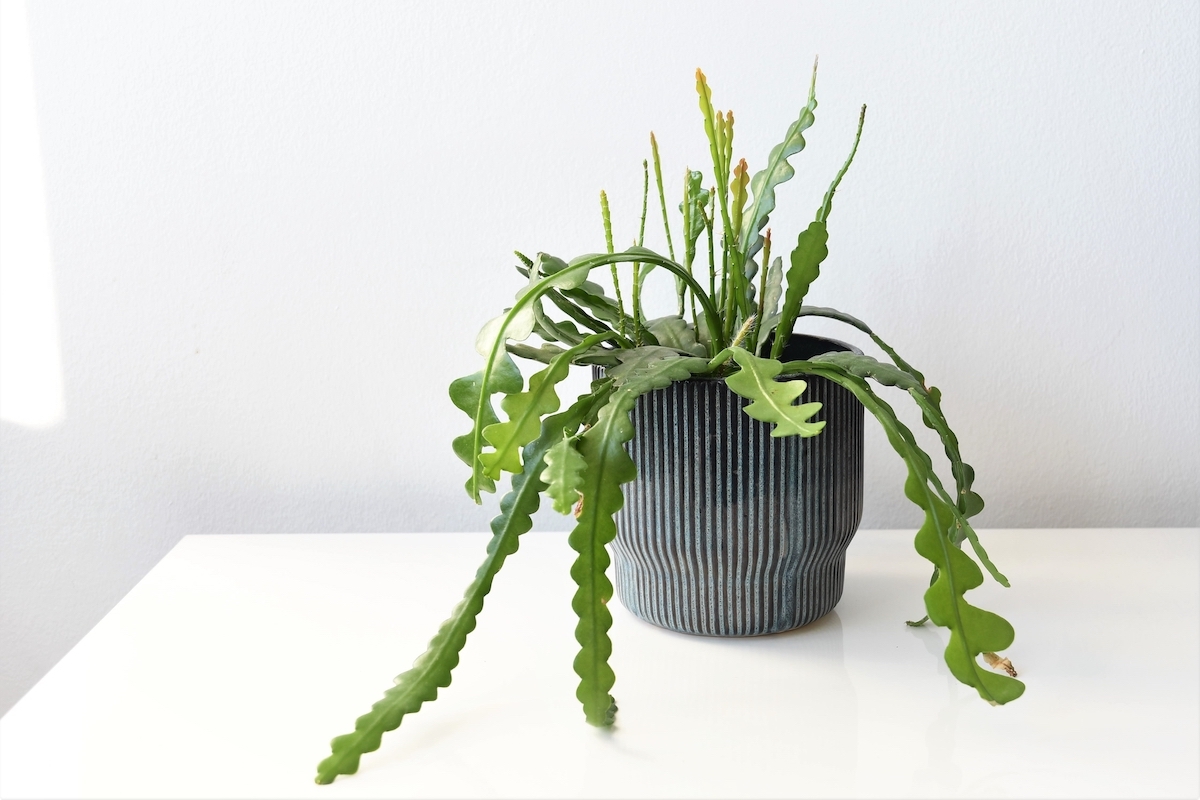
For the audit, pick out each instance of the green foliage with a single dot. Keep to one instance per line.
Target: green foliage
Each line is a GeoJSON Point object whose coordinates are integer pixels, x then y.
{"type": "Point", "coordinates": [972, 630]}
{"type": "Point", "coordinates": [827, 203]}
{"type": "Point", "coordinates": [563, 475]}
{"type": "Point", "coordinates": [929, 400]}
{"type": "Point", "coordinates": [777, 171]}
{"type": "Point", "coordinates": [580, 454]}
{"type": "Point", "coordinates": [695, 198]}
{"type": "Point", "coordinates": [662, 198]}
{"type": "Point", "coordinates": [968, 502]}
{"type": "Point", "coordinates": [473, 393]}
{"type": "Point", "coordinates": [774, 401]}
{"type": "Point", "coordinates": [738, 188]}
{"type": "Point", "coordinates": [768, 306]}
{"type": "Point", "coordinates": [806, 261]}
{"type": "Point", "coordinates": [525, 411]}
{"type": "Point", "coordinates": [431, 671]}
{"type": "Point", "coordinates": [608, 467]}
{"type": "Point", "coordinates": [677, 333]}
{"type": "Point", "coordinates": [469, 395]}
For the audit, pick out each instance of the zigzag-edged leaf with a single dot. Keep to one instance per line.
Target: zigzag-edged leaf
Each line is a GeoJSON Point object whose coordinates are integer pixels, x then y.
{"type": "Point", "coordinates": [738, 194]}
{"type": "Point", "coordinates": [713, 129]}
{"type": "Point", "coordinates": [637, 361]}
{"type": "Point", "coordinates": [467, 395]}
{"type": "Point", "coordinates": [841, 316]}
{"type": "Point", "coordinates": [772, 293]}
{"type": "Point", "coordinates": [516, 326]}
{"type": "Point", "coordinates": [968, 502]}
{"type": "Point", "coordinates": [525, 411]}
{"type": "Point", "coordinates": [491, 379]}
{"type": "Point", "coordinates": [695, 199]}
{"type": "Point", "coordinates": [592, 296]}
{"type": "Point", "coordinates": [811, 249]}
{"type": "Point", "coordinates": [608, 467]}
{"type": "Point", "coordinates": [545, 273]}
{"type": "Point", "coordinates": [972, 630]}
{"type": "Point", "coordinates": [774, 401]}
{"type": "Point", "coordinates": [563, 475]}
{"type": "Point", "coordinates": [867, 367]}
{"type": "Point", "coordinates": [547, 266]}
{"type": "Point", "coordinates": [553, 330]}
{"type": "Point", "coordinates": [726, 138]}
{"type": "Point", "coordinates": [548, 352]}
{"type": "Point", "coordinates": [584, 293]}
{"type": "Point", "coordinates": [473, 393]}
{"type": "Point", "coordinates": [576, 313]}
{"type": "Point", "coordinates": [774, 290]}
{"type": "Point", "coordinates": [777, 171]}
{"type": "Point", "coordinates": [827, 203]}
{"type": "Point", "coordinates": [676, 332]}
{"type": "Point", "coordinates": [432, 670]}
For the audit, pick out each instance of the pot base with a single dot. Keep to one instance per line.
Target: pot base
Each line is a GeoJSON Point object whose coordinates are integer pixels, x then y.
{"type": "Point", "coordinates": [687, 603]}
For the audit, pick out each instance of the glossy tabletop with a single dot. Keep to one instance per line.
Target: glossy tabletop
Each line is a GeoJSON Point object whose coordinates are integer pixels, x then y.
{"type": "Point", "coordinates": [226, 671]}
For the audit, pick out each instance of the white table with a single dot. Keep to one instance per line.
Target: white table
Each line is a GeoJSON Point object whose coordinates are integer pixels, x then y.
{"type": "Point", "coordinates": [226, 671]}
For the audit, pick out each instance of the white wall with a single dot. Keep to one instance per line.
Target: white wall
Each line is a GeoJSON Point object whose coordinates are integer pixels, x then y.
{"type": "Point", "coordinates": [276, 228]}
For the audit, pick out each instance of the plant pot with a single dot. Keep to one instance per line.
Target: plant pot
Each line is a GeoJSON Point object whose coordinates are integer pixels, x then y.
{"type": "Point", "coordinates": [727, 531]}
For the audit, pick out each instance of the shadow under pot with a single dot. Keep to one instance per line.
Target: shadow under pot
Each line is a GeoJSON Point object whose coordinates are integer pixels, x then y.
{"type": "Point", "coordinates": [727, 531]}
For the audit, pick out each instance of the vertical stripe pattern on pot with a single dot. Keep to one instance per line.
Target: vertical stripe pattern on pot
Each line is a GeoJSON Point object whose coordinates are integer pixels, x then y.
{"type": "Point", "coordinates": [727, 531]}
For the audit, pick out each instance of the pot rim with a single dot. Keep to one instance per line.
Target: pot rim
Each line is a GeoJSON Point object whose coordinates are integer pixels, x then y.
{"type": "Point", "coordinates": [841, 346]}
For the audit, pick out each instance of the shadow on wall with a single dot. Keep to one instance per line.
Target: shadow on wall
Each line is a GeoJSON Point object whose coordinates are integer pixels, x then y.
{"type": "Point", "coordinates": [31, 379]}
{"type": "Point", "coordinates": [31, 372]}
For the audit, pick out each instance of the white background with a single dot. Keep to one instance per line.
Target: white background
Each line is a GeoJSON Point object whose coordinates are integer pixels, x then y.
{"type": "Point", "coordinates": [275, 229]}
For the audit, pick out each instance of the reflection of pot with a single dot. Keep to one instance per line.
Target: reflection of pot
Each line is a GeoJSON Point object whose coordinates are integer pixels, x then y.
{"type": "Point", "coordinates": [727, 531]}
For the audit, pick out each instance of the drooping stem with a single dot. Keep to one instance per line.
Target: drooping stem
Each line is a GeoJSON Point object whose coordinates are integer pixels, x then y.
{"type": "Point", "coordinates": [973, 631]}
{"type": "Point", "coordinates": [432, 671]}
{"type": "Point", "coordinates": [608, 243]}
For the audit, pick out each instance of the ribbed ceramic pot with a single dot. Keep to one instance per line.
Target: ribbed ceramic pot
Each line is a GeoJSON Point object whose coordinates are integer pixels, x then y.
{"type": "Point", "coordinates": [727, 531]}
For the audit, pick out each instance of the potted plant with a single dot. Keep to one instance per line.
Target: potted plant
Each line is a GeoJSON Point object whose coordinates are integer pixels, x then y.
{"type": "Point", "coordinates": [729, 343]}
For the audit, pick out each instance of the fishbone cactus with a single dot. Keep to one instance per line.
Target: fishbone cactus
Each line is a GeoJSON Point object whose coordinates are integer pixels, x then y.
{"type": "Point", "coordinates": [577, 457]}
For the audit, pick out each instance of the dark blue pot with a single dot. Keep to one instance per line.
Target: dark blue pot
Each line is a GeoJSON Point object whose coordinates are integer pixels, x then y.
{"type": "Point", "coordinates": [727, 531]}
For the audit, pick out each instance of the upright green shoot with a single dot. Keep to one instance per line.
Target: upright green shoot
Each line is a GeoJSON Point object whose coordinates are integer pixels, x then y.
{"type": "Point", "coordinates": [760, 314]}
{"type": "Point", "coordinates": [608, 243]}
{"type": "Point", "coordinates": [709, 224]}
{"type": "Point", "coordinates": [637, 266]}
{"type": "Point", "coordinates": [662, 198]}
